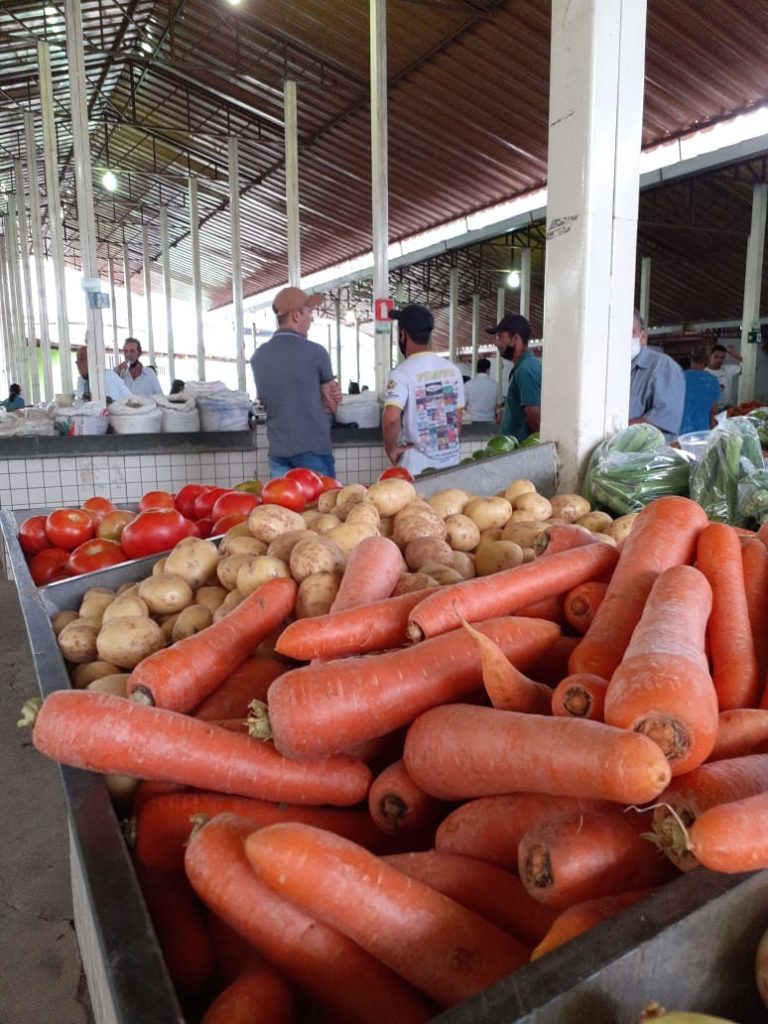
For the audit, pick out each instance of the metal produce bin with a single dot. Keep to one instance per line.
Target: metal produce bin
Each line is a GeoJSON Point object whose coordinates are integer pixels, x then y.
{"type": "Point", "coordinates": [690, 945]}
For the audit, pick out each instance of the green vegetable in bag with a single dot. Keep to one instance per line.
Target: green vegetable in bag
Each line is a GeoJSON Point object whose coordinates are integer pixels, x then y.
{"type": "Point", "coordinates": [732, 453]}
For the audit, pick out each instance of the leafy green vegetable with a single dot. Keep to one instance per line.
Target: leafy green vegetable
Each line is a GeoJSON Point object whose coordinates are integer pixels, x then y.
{"type": "Point", "coordinates": [631, 468]}
{"type": "Point", "coordinates": [732, 453]}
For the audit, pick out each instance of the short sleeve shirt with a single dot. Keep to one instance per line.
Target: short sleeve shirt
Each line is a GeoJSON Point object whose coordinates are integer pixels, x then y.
{"type": "Point", "coordinates": [657, 391]}
{"type": "Point", "coordinates": [726, 379]}
{"type": "Point", "coordinates": [524, 389]}
{"type": "Point", "coordinates": [702, 391]}
{"type": "Point", "coordinates": [482, 396]}
{"type": "Point", "coordinates": [145, 384]}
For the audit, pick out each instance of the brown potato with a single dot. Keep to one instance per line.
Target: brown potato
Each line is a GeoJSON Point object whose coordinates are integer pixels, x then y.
{"type": "Point", "coordinates": [518, 487]}
{"type": "Point", "coordinates": [595, 521]}
{"type": "Point", "coordinates": [249, 545]}
{"type": "Point", "coordinates": [232, 600]}
{"type": "Point", "coordinates": [419, 521]}
{"type": "Point", "coordinates": [127, 588]}
{"type": "Point", "coordinates": [324, 524]}
{"type": "Point", "coordinates": [620, 528]}
{"type": "Point", "coordinates": [449, 502]}
{"type": "Point", "coordinates": [241, 530]}
{"type": "Point", "coordinates": [84, 674]}
{"type": "Point", "coordinates": [392, 495]}
{"type": "Point", "coordinates": [347, 497]}
{"type": "Point", "coordinates": [116, 684]}
{"type": "Point", "coordinates": [94, 602]}
{"type": "Point", "coordinates": [497, 556]}
{"type": "Point", "coordinates": [167, 622]}
{"type": "Point", "coordinates": [463, 533]}
{"type": "Point", "coordinates": [524, 532]}
{"type": "Point", "coordinates": [569, 507]}
{"type": "Point", "coordinates": [326, 502]}
{"type": "Point", "coordinates": [190, 621]}
{"type": "Point", "coordinates": [443, 574]}
{"type": "Point", "coordinates": [412, 581]}
{"type": "Point", "coordinates": [165, 594]}
{"type": "Point", "coordinates": [349, 534]}
{"type": "Point", "coordinates": [464, 564]}
{"type": "Point", "coordinates": [210, 597]}
{"type": "Point", "coordinates": [316, 594]}
{"type": "Point", "coordinates": [227, 570]}
{"type": "Point", "coordinates": [317, 555]}
{"type": "Point", "coordinates": [488, 513]}
{"type": "Point", "coordinates": [309, 515]}
{"type": "Point", "coordinates": [494, 533]}
{"type": "Point", "coordinates": [386, 526]}
{"type": "Point", "coordinates": [77, 641]}
{"type": "Point", "coordinates": [425, 550]}
{"type": "Point", "coordinates": [62, 619]}
{"type": "Point", "coordinates": [364, 512]}
{"type": "Point", "coordinates": [127, 604]}
{"type": "Point", "coordinates": [158, 567]}
{"type": "Point", "coordinates": [128, 640]}
{"type": "Point", "coordinates": [195, 560]}
{"type": "Point", "coordinates": [536, 505]}
{"type": "Point", "coordinates": [268, 521]}
{"type": "Point", "coordinates": [257, 570]}
{"type": "Point", "coordinates": [282, 546]}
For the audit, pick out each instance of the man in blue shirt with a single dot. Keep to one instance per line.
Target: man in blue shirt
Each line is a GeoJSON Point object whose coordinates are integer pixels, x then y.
{"type": "Point", "coordinates": [15, 401]}
{"type": "Point", "coordinates": [702, 394]}
{"type": "Point", "coordinates": [656, 385]}
{"type": "Point", "coordinates": [522, 408]}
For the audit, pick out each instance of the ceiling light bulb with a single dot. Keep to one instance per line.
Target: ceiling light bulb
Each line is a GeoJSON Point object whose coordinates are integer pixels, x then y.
{"type": "Point", "coordinates": [146, 47]}
{"type": "Point", "coordinates": [233, 3]}
{"type": "Point", "coordinates": [109, 181]}
{"type": "Point", "coordinates": [513, 280]}
{"type": "Point", "coordinates": [349, 317]}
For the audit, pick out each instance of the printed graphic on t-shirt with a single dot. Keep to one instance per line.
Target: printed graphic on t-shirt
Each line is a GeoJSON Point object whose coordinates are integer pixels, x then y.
{"type": "Point", "coordinates": [436, 412]}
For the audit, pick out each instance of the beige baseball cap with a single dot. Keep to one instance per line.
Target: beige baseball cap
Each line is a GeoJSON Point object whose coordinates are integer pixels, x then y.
{"type": "Point", "coordinates": [294, 298]}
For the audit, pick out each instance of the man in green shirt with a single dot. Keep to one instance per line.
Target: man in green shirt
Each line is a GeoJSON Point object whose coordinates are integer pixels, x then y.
{"type": "Point", "coordinates": [522, 408]}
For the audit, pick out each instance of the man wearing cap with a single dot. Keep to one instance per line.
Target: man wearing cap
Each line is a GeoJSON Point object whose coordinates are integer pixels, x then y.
{"type": "Point", "coordinates": [295, 383]}
{"type": "Point", "coordinates": [421, 421]}
{"type": "Point", "coordinates": [522, 408]}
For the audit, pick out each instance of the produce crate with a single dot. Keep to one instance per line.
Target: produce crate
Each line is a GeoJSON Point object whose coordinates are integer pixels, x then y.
{"type": "Point", "coordinates": [689, 945]}
{"type": "Point", "coordinates": [486, 476]}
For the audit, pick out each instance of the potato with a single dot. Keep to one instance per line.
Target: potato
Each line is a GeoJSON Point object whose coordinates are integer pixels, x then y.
{"type": "Point", "coordinates": [122, 789]}
{"type": "Point", "coordinates": [348, 496]}
{"type": "Point", "coordinates": [232, 600]}
{"type": "Point", "coordinates": [62, 619]}
{"type": "Point", "coordinates": [596, 521]}
{"type": "Point", "coordinates": [392, 495]}
{"type": "Point", "coordinates": [124, 605]}
{"type": "Point", "coordinates": [489, 535]}
{"type": "Point", "coordinates": [349, 534]}
{"type": "Point", "coordinates": [94, 601]}
{"type": "Point", "coordinates": [529, 554]}
{"type": "Point", "coordinates": [412, 581]}
{"type": "Point", "coordinates": [569, 507]}
{"type": "Point", "coordinates": [165, 594]}
{"type": "Point", "coordinates": [316, 594]}
{"type": "Point", "coordinates": [324, 524]}
{"type": "Point", "coordinates": [282, 546]}
{"type": "Point", "coordinates": [386, 526]}
{"type": "Point", "coordinates": [158, 567]}
{"type": "Point", "coordinates": [127, 588]}
{"type": "Point", "coordinates": [77, 641]}
{"type": "Point", "coordinates": [195, 560]}
{"type": "Point", "coordinates": [241, 530]}
{"type": "Point", "coordinates": [317, 555]}
{"type": "Point", "coordinates": [536, 505]}
{"type": "Point", "coordinates": [463, 533]}
{"type": "Point", "coordinates": [425, 550]}
{"type": "Point", "coordinates": [326, 501]}
{"type": "Point", "coordinates": [249, 545]}
{"type": "Point", "coordinates": [420, 521]}
{"type": "Point", "coordinates": [128, 640]}
{"type": "Point", "coordinates": [364, 512]}
{"type": "Point", "coordinates": [257, 570]}
{"type": "Point", "coordinates": [210, 597]}
{"type": "Point", "coordinates": [464, 564]}
{"type": "Point", "coordinates": [116, 683]}
{"type": "Point", "coordinates": [167, 622]}
{"type": "Point", "coordinates": [227, 570]}
{"type": "Point", "coordinates": [309, 515]}
{"type": "Point", "coordinates": [620, 528]}
{"type": "Point", "coordinates": [496, 556]}
{"type": "Point", "coordinates": [84, 674]}
{"type": "Point", "coordinates": [190, 621]}
{"type": "Point", "coordinates": [518, 487]}
{"type": "Point", "coordinates": [268, 521]}
{"type": "Point", "coordinates": [487, 513]}
{"type": "Point", "coordinates": [524, 532]}
{"type": "Point", "coordinates": [445, 575]}
{"type": "Point", "coordinates": [449, 502]}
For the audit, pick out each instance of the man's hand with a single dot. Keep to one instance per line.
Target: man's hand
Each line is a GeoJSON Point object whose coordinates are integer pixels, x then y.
{"type": "Point", "coordinates": [121, 368]}
{"type": "Point", "coordinates": [330, 395]}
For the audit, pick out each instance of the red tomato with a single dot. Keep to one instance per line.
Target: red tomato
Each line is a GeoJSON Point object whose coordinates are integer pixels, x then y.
{"type": "Point", "coordinates": [32, 535]}
{"type": "Point", "coordinates": [309, 481]}
{"type": "Point", "coordinates": [185, 498]}
{"type": "Point", "coordinates": [396, 471]}
{"type": "Point", "coordinates": [203, 505]}
{"type": "Point", "coordinates": [234, 503]}
{"type": "Point", "coordinates": [330, 483]}
{"type": "Point", "coordinates": [156, 499]}
{"type": "Point", "coordinates": [282, 491]}
{"type": "Point", "coordinates": [156, 529]}
{"type": "Point", "coordinates": [97, 507]}
{"type": "Point", "coordinates": [202, 527]}
{"type": "Point", "coordinates": [113, 523]}
{"type": "Point", "coordinates": [68, 527]}
{"type": "Point", "coordinates": [226, 523]}
{"type": "Point", "coordinates": [95, 554]}
{"type": "Point", "coordinates": [49, 565]}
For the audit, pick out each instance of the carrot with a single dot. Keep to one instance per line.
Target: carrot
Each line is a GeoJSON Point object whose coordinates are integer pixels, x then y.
{"type": "Point", "coordinates": [663, 688]}
{"type": "Point", "coordinates": [165, 823]}
{"type": "Point", "coordinates": [550, 608]}
{"type": "Point", "coordinates": [375, 627]}
{"type": "Point", "coordinates": [180, 677]}
{"type": "Point", "coordinates": [400, 808]}
{"type": "Point", "coordinates": [506, 592]}
{"type": "Point", "coordinates": [491, 827]}
{"type": "Point", "coordinates": [664, 534]}
{"type": "Point", "coordinates": [150, 788]}
{"type": "Point", "coordinates": [458, 752]}
{"type": "Point", "coordinates": [103, 733]}
{"type": "Point", "coordinates": [495, 894]}
{"type": "Point", "coordinates": [249, 681]}
{"type": "Point", "coordinates": [581, 604]}
{"type": "Point", "coordinates": [762, 534]}
{"type": "Point", "coordinates": [689, 796]}
{"type": "Point", "coordinates": [761, 968]}
{"type": "Point", "coordinates": [446, 951]}
{"type": "Point", "coordinates": [319, 709]}
{"type": "Point", "coordinates": [552, 666]}
{"type": "Point", "coordinates": [259, 994]}
{"type": "Point", "coordinates": [732, 837]}
{"type": "Point", "coordinates": [754, 560]}
{"type": "Point", "coordinates": [564, 537]}
{"type": "Point", "coordinates": [507, 687]}
{"type": "Point", "coordinates": [234, 954]}
{"type": "Point", "coordinates": [374, 566]}
{"type": "Point", "coordinates": [582, 856]}
{"type": "Point", "coordinates": [580, 917]}
{"type": "Point", "coordinates": [739, 731]}
{"type": "Point", "coordinates": [732, 649]}
{"type": "Point", "coordinates": [344, 981]}
{"type": "Point", "coordinates": [580, 695]}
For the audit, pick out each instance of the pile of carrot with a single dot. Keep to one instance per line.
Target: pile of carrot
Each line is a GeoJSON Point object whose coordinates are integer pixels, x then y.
{"type": "Point", "coordinates": [429, 816]}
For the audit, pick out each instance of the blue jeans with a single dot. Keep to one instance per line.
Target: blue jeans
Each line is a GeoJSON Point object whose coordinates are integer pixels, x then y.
{"type": "Point", "coordinates": [306, 460]}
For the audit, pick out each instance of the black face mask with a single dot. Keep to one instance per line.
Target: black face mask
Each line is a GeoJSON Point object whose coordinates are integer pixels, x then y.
{"type": "Point", "coordinates": [401, 342]}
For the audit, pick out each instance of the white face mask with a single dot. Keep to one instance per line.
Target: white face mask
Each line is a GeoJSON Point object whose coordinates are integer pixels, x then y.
{"type": "Point", "coordinates": [635, 347]}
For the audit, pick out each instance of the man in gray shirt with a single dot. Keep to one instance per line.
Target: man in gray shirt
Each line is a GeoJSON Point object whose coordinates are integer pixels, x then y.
{"type": "Point", "coordinates": [657, 385]}
{"type": "Point", "coordinates": [295, 383]}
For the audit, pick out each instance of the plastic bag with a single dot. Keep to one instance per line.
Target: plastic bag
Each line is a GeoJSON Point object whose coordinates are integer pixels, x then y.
{"type": "Point", "coordinates": [752, 498]}
{"type": "Point", "coordinates": [138, 414]}
{"type": "Point", "coordinates": [220, 408]}
{"type": "Point", "coordinates": [180, 414]}
{"type": "Point", "coordinates": [83, 418]}
{"type": "Point", "coordinates": [733, 452]}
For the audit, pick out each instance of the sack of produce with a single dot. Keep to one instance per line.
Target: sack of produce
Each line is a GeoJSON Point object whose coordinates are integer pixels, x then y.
{"type": "Point", "coordinates": [180, 414]}
{"type": "Point", "coordinates": [87, 418]}
{"type": "Point", "coordinates": [220, 408]}
{"type": "Point", "coordinates": [31, 421]}
{"type": "Point", "coordinates": [732, 453]}
{"type": "Point", "coordinates": [364, 410]}
{"type": "Point", "coordinates": [752, 500]}
{"type": "Point", "coordinates": [631, 468]}
{"type": "Point", "coordinates": [138, 414]}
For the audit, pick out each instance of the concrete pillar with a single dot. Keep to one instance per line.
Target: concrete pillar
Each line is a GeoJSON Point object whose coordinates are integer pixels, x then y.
{"type": "Point", "coordinates": [197, 286]}
{"type": "Point", "coordinates": [167, 293]}
{"type": "Point", "coordinates": [753, 279]}
{"type": "Point", "coordinates": [525, 283]}
{"type": "Point", "coordinates": [148, 292]}
{"type": "Point", "coordinates": [38, 253]}
{"type": "Point", "coordinates": [453, 312]}
{"type": "Point", "coordinates": [645, 288]}
{"type": "Point", "coordinates": [127, 286]}
{"type": "Point", "coordinates": [292, 182]}
{"type": "Point", "coordinates": [31, 383]}
{"type": "Point", "coordinates": [113, 358]}
{"type": "Point", "coordinates": [379, 182]}
{"type": "Point", "coordinates": [237, 258]}
{"type": "Point", "coordinates": [501, 308]}
{"type": "Point", "coordinates": [475, 331]}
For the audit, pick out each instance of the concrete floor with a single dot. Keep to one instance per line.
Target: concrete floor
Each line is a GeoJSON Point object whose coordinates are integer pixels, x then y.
{"type": "Point", "coordinates": [41, 974]}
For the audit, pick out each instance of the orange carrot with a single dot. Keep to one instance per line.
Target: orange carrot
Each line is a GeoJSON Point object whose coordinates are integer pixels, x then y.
{"type": "Point", "coordinates": [564, 537]}
{"type": "Point", "coordinates": [507, 687]}
{"type": "Point", "coordinates": [550, 608]}
{"type": "Point", "coordinates": [754, 559]}
{"type": "Point", "coordinates": [374, 566]}
{"type": "Point", "coordinates": [732, 649]}
{"type": "Point", "coordinates": [374, 627]}
{"type": "Point", "coordinates": [664, 534]}
{"type": "Point", "coordinates": [400, 808]}
{"type": "Point", "coordinates": [413, 929]}
{"type": "Point", "coordinates": [663, 688]}
{"type": "Point", "coordinates": [732, 837]}
{"type": "Point", "coordinates": [581, 604]}
{"type": "Point", "coordinates": [150, 788]}
{"type": "Point", "coordinates": [250, 681]}
{"type": "Point", "coordinates": [495, 894]}
{"type": "Point", "coordinates": [320, 709]}
{"type": "Point", "coordinates": [508, 591]}
{"type": "Point", "coordinates": [762, 534]}
{"type": "Point", "coordinates": [552, 666]}
{"type": "Point", "coordinates": [345, 982]}
{"type": "Point", "coordinates": [259, 994]}
{"type": "Point", "coordinates": [458, 752]}
{"type": "Point", "coordinates": [180, 677]}
{"type": "Point", "coordinates": [579, 918]}
{"type": "Point", "coordinates": [103, 733]}
{"type": "Point", "coordinates": [234, 954]}
{"type": "Point", "coordinates": [739, 731]}
{"type": "Point", "coordinates": [580, 695]}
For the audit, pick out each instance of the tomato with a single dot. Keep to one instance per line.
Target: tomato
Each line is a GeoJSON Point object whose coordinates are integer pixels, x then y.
{"type": "Point", "coordinates": [397, 471]}
{"type": "Point", "coordinates": [185, 498]}
{"type": "Point", "coordinates": [330, 483]}
{"type": "Point", "coordinates": [49, 565]}
{"type": "Point", "coordinates": [282, 491]}
{"type": "Point", "coordinates": [234, 503]}
{"type": "Point", "coordinates": [32, 535]}
{"type": "Point", "coordinates": [113, 523]}
{"type": "Point", "coordinates": [95, 554]}
{"type": "Point", "coordinates": [97, 507]}
{"type": "Point", "coordinates": [202, 527]}
{"type": "Point", "coordinates": [156, 529]}
{"type": "Point", "coordinates": [226, 523]}
{"type": "Point", "coordinates": [203, 504]}
{"type": "Point", "coordinates": [308, 480]}
{"type": "Point", "coordinates": [68, 527]}
{"type": "Point", "coordinates": [156, 499]}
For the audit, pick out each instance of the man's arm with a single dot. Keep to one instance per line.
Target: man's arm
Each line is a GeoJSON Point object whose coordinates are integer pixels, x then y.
{"type": "Point", "coordinates": [532, 417]}
{"type": "Point", "coordinates": [390, 431]}
{"type": "Point", "coordinates": [666, 410]}
{"type": "Point", "coordinates": [330, 395]}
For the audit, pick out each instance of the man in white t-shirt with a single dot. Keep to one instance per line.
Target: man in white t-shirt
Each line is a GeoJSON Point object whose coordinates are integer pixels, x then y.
{"type": "Point", "coordinates": [424, 398]}
{"type": "Point", "coordinates": [482, 394]}
{"type": "Point", "coordinates": [726, 373]}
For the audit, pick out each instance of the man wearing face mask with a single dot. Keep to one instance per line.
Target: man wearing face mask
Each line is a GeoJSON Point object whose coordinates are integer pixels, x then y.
{"type": "Point", "coordinates": [139, 379]}
{"type": "Point", "coordinates": [657, 385]}
{"type": "Point", "coordinates": [522, 408]}
{"type": "Point", "coordinates": [421, 421]}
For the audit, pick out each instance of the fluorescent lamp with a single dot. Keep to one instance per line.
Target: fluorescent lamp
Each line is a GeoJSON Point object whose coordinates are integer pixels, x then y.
{"type": "Point", "coordinates": [109, 181]}
{"type": "Point", "coordinates": [513, 279]}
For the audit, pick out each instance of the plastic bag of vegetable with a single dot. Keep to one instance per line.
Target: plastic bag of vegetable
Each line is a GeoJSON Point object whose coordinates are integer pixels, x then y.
{"type": "Point", "coordinates": [732, 453]}
{"type": "Point", "coordinates": [759, 418]}
{"type": "Point", "coordinates": [634, 466]}
{"type": "Point", "coordinates": [752, 498]}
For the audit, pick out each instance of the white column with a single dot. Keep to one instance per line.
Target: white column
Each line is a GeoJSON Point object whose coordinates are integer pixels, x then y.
{"type": "Point", "coordinates": [292, 182]}
{"type": "Point", "coordinates": [237, 259]}
{"type": "Point", "coordinates": [38, 252]}
{"type": "Point", "coordinates": [197, 285]}
{"type": "Point", "coordinates": [148, 292]}
{"type": "Point", "coordinates": [501, 308]}
{"type": "Point", "coordinates": [17, 304]}
{"type": "Point", "coordinates": [475, 330]}
{"type": "Point", "coordinates": [5, 314]}
{"type": "Point", "coordinates": [379, 181]}
{"type": "Point", "coordinates": [395, 355]}
{"type": "Point", "coordinates": [595, 110]}
{"type": "Point", "coordinates": [32, 383]}
{"type": "Point", "coordinates": [525, 283]}
{"type": "Point", "coordinates": [357, 349]}
{"type": "Point", "coordinates": [114, 359]}
{"type": "Point", "coordinates": [167, 292]}
{"type": "Point", "coordinates": [337, 319]}
{"type": "Point", "coordinates": [453, 312]}
{"type": "Point", "coordinates": [753, 279]}
{"type": "Point", "coordinates": [127, 286]}
{"type": "Point", "coordinates": [645, 288]}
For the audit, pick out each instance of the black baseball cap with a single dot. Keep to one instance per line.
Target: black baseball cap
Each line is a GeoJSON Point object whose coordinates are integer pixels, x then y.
{"type": "Point", "coordinates": [413, 318]}
{"type": "Point", "coordinates": [512, 323]}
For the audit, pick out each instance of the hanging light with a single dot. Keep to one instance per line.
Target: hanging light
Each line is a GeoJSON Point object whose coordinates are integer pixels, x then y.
{"type": "Point", "coordinates": [349, 318]}
{"type": "Point", "coordinates": [109, 181]}
{"type": "Point", "coordinates": [233, 3]}
{"type": "Point", "coordinates": [513, 279]}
